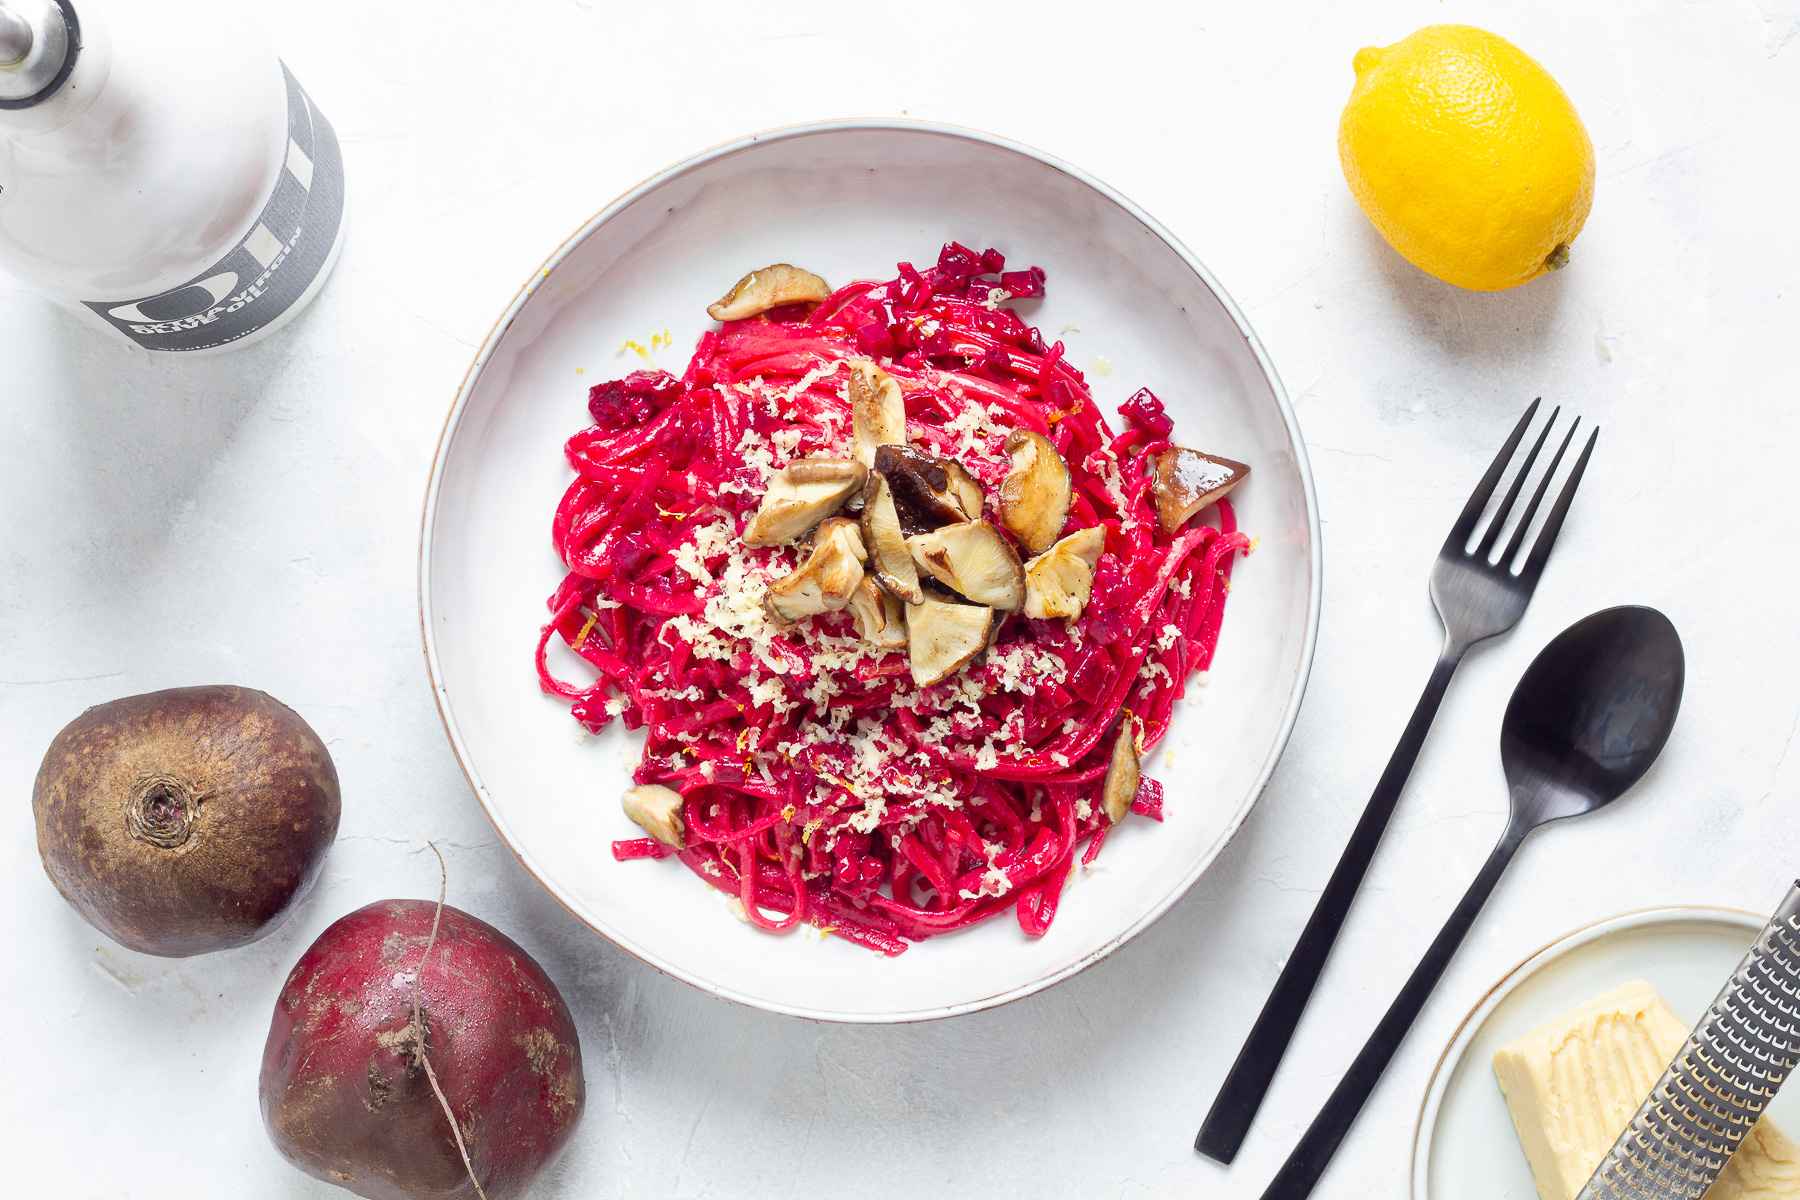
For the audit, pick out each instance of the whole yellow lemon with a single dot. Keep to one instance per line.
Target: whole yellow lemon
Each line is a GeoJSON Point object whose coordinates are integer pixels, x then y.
{"type": "Point", "coordinates": [1467, 156]}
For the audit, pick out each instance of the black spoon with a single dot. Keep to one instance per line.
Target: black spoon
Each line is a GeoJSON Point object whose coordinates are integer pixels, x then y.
{"type": "Point", "coordinates": [1589, 717]}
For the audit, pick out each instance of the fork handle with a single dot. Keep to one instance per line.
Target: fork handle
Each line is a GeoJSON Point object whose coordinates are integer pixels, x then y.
{"type": "Point", "coordinates": [1300, 1173]}
{"type": "Point", "coordinates": [1248, 1081]}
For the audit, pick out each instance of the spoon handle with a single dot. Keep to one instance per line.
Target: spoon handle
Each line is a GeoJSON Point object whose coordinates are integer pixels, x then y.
{"type": "Point", "coordinates": [1301, 1172]}
{"type": "Point", "coordinates": [1228, 1121]}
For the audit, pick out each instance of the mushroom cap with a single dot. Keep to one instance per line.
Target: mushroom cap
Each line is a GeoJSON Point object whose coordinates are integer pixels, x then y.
{"type": "Point", "coordinates": [658, 810]}
{"type": "Point", "coordinates": [1059, 581]}
{"type": "Point", "coordinates": [974, 559]}
{"type": "Point", "coordinates": [827, 579]}
{"type": "Point", "coordinates": [770, 287]}
{"type": "Point", "coordinates": [1122, 773]}
{"type": "Point", "coordinates": [942, 637]}
{"type": "Point", "coordinates": [885, 539]}
{"type": "Point", "coordinates": [1187, 481]}
{"type": "Point", "coordinates": [877, 410]}
{"type": "Point", "coordinates": [928, 491]}
{"type": "Point", "coordinates": [800, 495]}
{"type": "Point", "coordinates": [1035, 495]}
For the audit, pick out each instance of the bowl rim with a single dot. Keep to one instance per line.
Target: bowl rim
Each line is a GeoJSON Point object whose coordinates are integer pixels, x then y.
{"type": "Point", "coordinates": [1458, 1045]}
{"type": "Point", "coordinates": [1315, 564]}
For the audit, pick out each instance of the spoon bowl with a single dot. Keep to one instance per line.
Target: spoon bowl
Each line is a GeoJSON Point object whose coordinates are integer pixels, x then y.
{"type": "Point", "coordinates": [1585, 722]}
{"type": "Point", "coordinates": [1591, 713]}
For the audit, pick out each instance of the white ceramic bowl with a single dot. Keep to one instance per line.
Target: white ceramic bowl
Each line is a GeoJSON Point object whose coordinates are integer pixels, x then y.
{"type": "Point", "coordinates": [848, 199]}
{"type": "Point", "coordinates": [1465, 1147]}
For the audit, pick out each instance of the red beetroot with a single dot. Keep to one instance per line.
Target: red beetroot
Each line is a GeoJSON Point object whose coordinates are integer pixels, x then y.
{"type": "Point", "coordinates": [185, 821]}
{"type": "Point", "coordinates": [345, 1095]}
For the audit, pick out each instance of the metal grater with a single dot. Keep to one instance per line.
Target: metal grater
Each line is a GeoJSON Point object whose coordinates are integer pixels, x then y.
{"type": "Point", "coordinates": [1728, 1070]}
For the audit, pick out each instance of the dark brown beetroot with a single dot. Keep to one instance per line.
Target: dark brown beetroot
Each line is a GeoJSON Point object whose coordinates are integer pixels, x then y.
{"type": "Point", "coordinates": [185, 821]}
{"type": "Point", "coordinates": [345, 1097]}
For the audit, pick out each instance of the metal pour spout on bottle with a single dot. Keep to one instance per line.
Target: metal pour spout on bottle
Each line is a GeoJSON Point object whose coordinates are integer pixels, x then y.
{"type": "Point", "coordinates": [163, 175]}
{"type": "Point", "coordinates": [34, 49]}
{"type": "Point", "coordinates": [40, 43]}
{"type": "Point", "coordinates": [15, 37]}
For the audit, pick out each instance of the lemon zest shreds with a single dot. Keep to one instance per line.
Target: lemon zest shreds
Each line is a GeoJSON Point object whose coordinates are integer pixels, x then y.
{"type": "Point", "coordinates": [637, 348]}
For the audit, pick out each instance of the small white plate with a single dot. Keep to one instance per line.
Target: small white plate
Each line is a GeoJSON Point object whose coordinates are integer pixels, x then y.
{"type": "Point", "coordinates": [849, 199]}
{"type": "Point", "coordinates": [1465, 1147]}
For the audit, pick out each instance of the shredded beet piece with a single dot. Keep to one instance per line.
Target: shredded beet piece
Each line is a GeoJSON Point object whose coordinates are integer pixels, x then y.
{"type": "Point", "coordinates": [1145, 411]}
{"type": "Point", "coordinates": [625, 402]}
{"type": "Point", "coordinates": [818, 784]}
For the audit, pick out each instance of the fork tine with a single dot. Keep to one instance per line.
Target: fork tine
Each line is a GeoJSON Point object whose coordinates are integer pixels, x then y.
{"type": "Point", "coordinates": [1465, 523]}
{"type": "Point", "coordinates": [1512, 493]}
{"type": "Point", "coordinates": [1518, 537]}
{"type": "Point", "coordinates": [1540, 552]}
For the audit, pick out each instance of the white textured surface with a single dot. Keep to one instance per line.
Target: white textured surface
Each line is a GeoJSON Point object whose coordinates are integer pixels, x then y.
{"type": "Point", "coordinates": [253, 518]}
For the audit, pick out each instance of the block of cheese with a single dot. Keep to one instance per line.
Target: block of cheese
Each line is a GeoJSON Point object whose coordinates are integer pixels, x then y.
{"type": "Point", "coordinates": [1574, 1083]}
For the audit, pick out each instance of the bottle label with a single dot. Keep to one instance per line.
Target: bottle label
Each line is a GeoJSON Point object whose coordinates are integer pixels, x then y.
{"type": "Point", "coordinates": [264, 275]}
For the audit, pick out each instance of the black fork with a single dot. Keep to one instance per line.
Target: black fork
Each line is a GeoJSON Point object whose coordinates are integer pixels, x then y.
{"type": "Point", "coordinates": [1476, 599]}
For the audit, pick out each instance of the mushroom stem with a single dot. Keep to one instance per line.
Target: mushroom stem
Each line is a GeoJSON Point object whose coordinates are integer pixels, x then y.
{"type": "Point", "coordinates": [1122, 773]}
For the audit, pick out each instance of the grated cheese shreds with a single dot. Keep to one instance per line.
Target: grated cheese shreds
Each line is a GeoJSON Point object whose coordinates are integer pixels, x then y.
{"type": "Point", "coordinates": [821, 784]}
